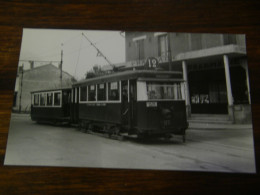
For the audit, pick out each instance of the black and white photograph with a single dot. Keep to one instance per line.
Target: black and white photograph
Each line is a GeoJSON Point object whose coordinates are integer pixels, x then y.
{"type": "Point", "coordinates": [132, 100]}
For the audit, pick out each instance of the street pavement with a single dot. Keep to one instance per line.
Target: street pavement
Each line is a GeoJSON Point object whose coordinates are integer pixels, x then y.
{"type": "Point", "coordinates": [226, 148]}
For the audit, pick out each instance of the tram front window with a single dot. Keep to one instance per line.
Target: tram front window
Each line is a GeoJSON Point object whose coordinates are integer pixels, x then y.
{"type": "Point", "coordinates": [159, 91]}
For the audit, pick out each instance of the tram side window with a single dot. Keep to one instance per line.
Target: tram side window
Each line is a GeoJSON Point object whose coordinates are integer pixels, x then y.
{"type": "Point", "coordinates": [57, 99]}
{"type": "Point", "coordinates": [92, 93]}
{"type": "Point", "coordinates": [101, 92]}
{"type": "Point", "coordinates": [113, 91]}
{"type": "Point", "coordinates": [42, 99]}
{"type": "Point", "coordinates": [36, 99]}
{"type": "Point", "coordinates": [83, 93]}
{"type": "Point", "coordinates": [49, 99]}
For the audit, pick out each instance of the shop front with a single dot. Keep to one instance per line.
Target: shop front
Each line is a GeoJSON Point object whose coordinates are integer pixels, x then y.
{"type": "Point", "coordinates": [217, 82]}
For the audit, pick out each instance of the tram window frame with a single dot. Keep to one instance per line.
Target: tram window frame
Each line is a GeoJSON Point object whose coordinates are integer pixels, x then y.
{"type": "Point", "coordinates": [175, 87]}
{"type": "Point", "coordinates": [101, 92]}
{"type": "Point", "coordinates": [60, 99]}
{"type": "Point", "coordinates": [115, 96]}
{"type": "Point", "coordinates": [92, 94]}
{"type": "Point", "coordinates": [37, 98]}
{"type": "Point", "coordinates": [42, 99]}
{"type": "Point", "coordinates": [47, 99]}
{"type": "Point", "coordinates": [86, 94]}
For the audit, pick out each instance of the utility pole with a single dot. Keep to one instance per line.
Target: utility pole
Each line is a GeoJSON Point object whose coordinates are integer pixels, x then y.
{"type": "Point", "coordinates": [21, 86]}
{"type": "Point", "coordinates": [61, 67]}
{"type": "Point", "coordinates": [169, 52]}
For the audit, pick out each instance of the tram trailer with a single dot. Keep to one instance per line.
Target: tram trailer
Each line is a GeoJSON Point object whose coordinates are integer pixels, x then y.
{"type": "Point", "coordinates": [51, 106]}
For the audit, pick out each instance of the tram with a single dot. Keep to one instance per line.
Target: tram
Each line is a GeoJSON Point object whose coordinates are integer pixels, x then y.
{"type": "Point", "coordinates": [135, 102]}
{"type": "Point", "coordinates": [51, 105]}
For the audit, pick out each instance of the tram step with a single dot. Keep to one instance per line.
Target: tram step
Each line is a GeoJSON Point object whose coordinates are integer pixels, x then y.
{"type": "Point", "coordinates": [213, 119]}
{"type": "Point", "coordinates": [210, 121]}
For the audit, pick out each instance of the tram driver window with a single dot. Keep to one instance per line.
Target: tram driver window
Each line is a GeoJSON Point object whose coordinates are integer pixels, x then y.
{"type": "Point", "coordinates": [113, 91]}
{"type": "Point", "coordinates": [49, 99]}
{"type": "Point", "coordinates": [92, 93]}
{"type": "Point", "coordinates": [57, 99]}
{"type": "Point", "coordinates": [157, 91]}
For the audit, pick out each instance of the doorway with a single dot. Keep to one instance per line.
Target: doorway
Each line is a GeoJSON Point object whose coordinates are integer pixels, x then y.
{"type": "Point", "coordinates": [208, 94]}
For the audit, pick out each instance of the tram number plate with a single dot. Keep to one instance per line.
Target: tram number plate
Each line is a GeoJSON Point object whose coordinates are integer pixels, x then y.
{"type": "Point", "coordinates": [151, 104]}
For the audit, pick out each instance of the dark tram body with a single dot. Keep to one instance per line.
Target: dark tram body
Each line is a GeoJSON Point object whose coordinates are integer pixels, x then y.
{"type": "Point", "coordinates": [51, 105]}
{"type": "Point", "coordinates": [136, 102]}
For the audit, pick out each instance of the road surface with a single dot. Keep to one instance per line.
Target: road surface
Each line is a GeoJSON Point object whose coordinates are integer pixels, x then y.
{"type": "Point", "coordinates": [223, 150]}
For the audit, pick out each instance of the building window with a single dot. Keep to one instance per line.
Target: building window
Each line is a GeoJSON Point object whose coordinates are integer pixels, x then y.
{"type": "Point", "coordinates": [196, 41]}
{"type": "Point", "coordinates": [162, 45]}
{"type": "Point", "coordinates": [229, 39]}
{"type": "Point", "coordinates": [49, 99]}
{"type": "Point", "coordinates": [113, 91]}
{"type": "Point", "coordinates": [140, 49]}
{"type": "Point", "coordinates": [101, 92]}
{"type": "Point", "coordinates": [83, 93]}
{"type": "Point", "coordinates": [92, 93]}
{"type": "Point", "coordinates": [57, 99]}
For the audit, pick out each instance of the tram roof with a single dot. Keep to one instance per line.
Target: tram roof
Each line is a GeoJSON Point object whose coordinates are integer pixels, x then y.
{"type": "Point", "coordinates": [133, 74]}
{"type": "Point", "coordinates": [53, 89]}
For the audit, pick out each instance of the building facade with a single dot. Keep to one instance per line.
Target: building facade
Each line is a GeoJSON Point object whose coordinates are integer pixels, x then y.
{"type": "Point", "coordinates": [214, 67]}
{"type": "Point", "coordinates": [37, 78]}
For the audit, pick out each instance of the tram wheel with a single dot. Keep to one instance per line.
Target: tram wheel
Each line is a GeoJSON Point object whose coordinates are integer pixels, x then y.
{"type": "Point", "coordinates": [90, 127]}
{"type": "Point", "coordinates": [113, 131]}
{"type": "Point", "coordinates": [167, 136]}
{"type": "Point", "coordinates": [140, 136]}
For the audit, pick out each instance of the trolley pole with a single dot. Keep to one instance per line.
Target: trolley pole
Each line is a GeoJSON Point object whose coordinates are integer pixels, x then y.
{"type": "Point", "coordinates": [100, 53]}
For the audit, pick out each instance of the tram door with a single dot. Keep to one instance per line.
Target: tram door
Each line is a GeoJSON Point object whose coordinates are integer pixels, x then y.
{"type": "Point", "coordinates": [74, 105]}
{"type": "Point", "coordinates": [66, 96]}
{"type": "Point", "coordinates": [132, 104]}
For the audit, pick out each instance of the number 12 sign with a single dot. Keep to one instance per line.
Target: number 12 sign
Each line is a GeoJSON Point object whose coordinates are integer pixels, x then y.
{"type": "Point", "coordinates": [151, 63]}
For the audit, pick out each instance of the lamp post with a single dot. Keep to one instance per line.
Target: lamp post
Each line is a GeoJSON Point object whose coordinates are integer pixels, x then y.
{"type": "Point", "coordinates": [61, 67]}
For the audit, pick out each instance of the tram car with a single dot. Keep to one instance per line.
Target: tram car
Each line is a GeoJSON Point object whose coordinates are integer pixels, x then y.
{"type": "Point", "coordinates": [136, 102]}
{"type": "Point", "coordinates": [145, 103]}
{"type": "Point", "coordinates": [51, 105]}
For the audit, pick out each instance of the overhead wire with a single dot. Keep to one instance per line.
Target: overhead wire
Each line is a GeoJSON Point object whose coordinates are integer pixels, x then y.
{"type": "Point", "coordinates": [79, 50]}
